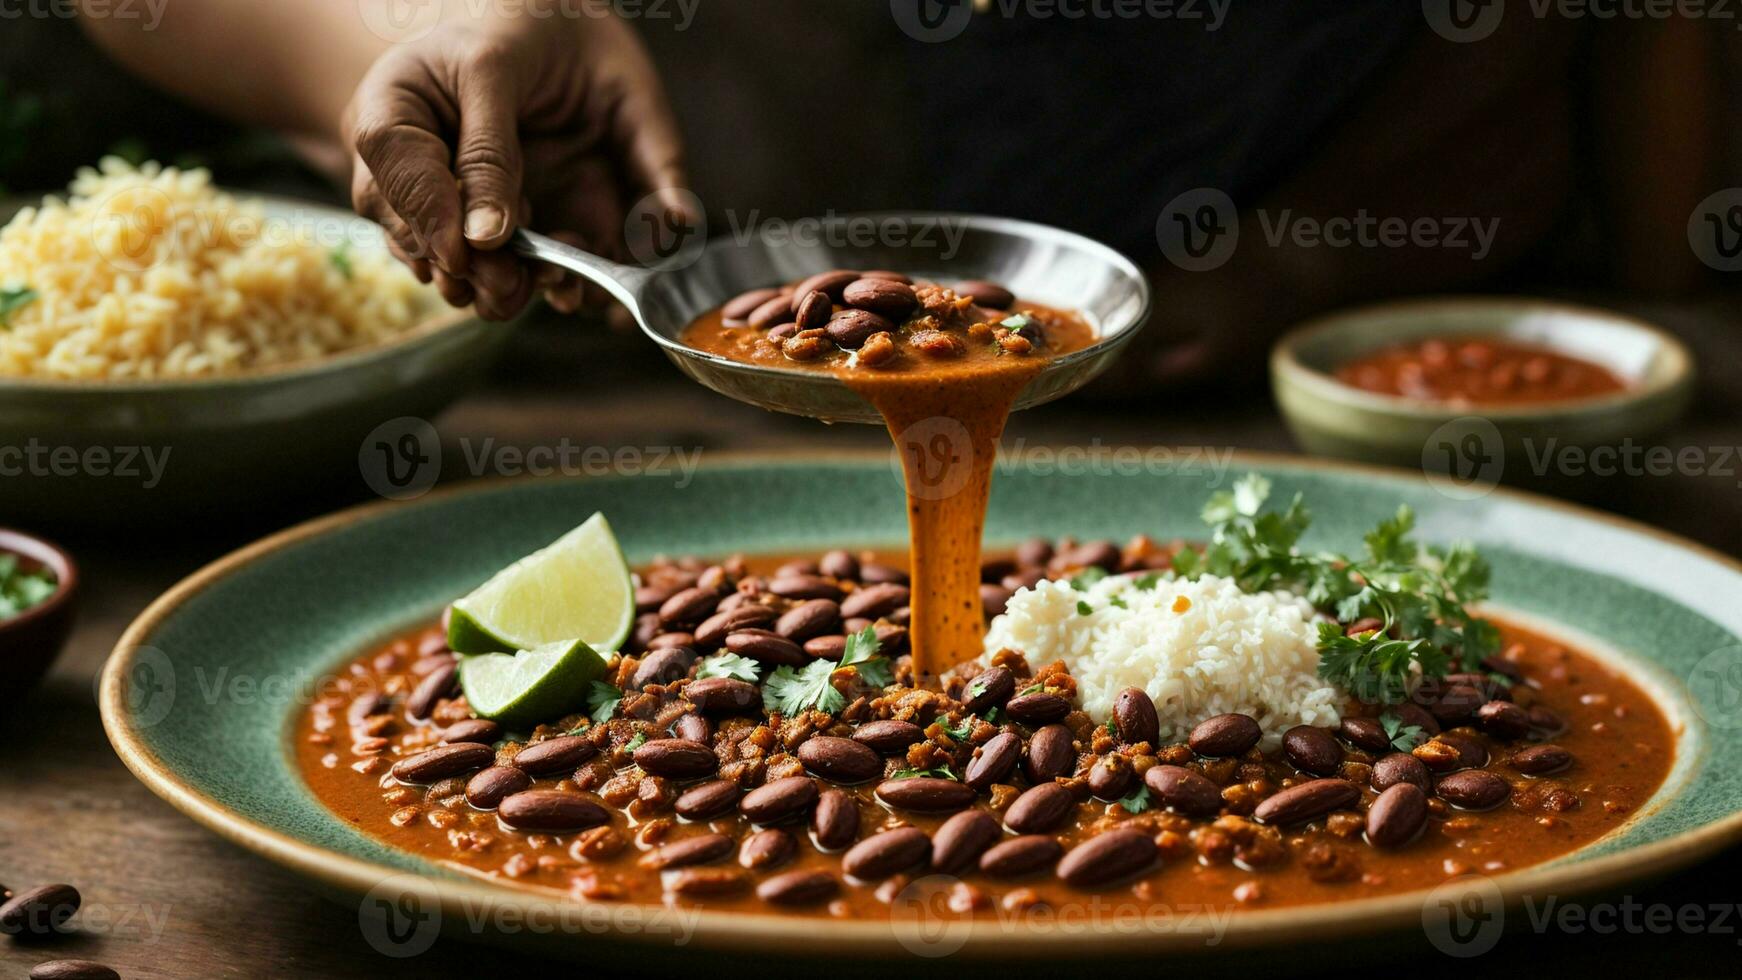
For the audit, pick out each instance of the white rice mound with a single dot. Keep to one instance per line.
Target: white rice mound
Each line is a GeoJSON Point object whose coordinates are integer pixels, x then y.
{"type": "Point", "coordinates": [1198, 648]}
{"type": "Point", "coordinates": [153, 273]}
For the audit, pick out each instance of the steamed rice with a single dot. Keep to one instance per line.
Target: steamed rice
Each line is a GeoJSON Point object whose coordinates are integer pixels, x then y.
{"type": "Point", "coordinates": [152, 272]}
{"type": "Point", "coordinates": [1198, 648]}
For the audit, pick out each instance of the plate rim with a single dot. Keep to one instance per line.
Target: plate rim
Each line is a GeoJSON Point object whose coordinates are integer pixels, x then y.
{"type": "Point", "coordinates": [800, 935]}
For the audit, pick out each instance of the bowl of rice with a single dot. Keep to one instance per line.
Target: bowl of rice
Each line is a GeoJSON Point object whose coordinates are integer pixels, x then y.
{"type": "Point", "coordinates": [171, 348]}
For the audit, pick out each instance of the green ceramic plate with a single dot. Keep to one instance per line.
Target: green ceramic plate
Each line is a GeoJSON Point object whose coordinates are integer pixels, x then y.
{"type": "Point", "coordinates": [199, 693]}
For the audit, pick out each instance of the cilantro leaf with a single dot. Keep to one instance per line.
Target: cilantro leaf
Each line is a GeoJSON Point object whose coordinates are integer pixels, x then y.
{"type": "Point", "coordinates": [1403, 737]}
{"type": "Point", "coordinates": [1147, 582]}
{"type": "Point", "coordinates": [792, 692]}
{"type": "Point", "coordinates": [341, 260]}
{"type": "Point", "coordinates": [1137, 802]}
{"type": "Point", "coordinates": [941, 772]}
{"type": "Point", "coordinates": [729, 665]}
{"type": "Point", "coordinates": [1083, 608]}
{"type": "Point", "coordinates": [961, 730]}
{"type": "Point", "coordinates": [861, 655]}
{"type": "Point", "coordinates": [602, 701]}
{"type": "Point", "coordinates": [13, 299]}
{"type": "Point", "coordinates": [1086, 579]}
{"type": "Point", "coordinates": [638, 741]}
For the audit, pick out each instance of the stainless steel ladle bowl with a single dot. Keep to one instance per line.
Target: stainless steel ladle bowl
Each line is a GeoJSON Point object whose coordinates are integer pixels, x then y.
{"type": "Point", "coordinates": [1037, 262]}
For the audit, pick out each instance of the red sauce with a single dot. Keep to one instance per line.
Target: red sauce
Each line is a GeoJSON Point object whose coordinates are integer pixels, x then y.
{"type": "Point", "coordinates": [1479, 371]}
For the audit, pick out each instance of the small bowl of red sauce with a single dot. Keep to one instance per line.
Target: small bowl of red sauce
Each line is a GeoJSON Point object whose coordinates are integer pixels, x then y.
{"type": "Point", "coordinates": [1480, 387]}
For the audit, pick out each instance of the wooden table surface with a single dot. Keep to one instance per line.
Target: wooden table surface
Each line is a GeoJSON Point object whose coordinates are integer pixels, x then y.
{"type": "Point", "coordinates": [165, 898]}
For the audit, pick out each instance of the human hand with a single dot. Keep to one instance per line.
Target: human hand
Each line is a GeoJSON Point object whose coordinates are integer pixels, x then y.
{"type": "Point", "coordinates": [485, 125]}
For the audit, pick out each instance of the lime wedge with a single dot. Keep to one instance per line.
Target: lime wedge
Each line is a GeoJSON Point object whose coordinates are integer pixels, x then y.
{"type": "Point", "coordinates": [577, 588]}
{"type": "Point", "coordinates": [522, 689]}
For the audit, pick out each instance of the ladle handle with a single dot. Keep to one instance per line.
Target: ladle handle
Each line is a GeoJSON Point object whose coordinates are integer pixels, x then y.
{"type": "Point", "coordinates": [624, 282]}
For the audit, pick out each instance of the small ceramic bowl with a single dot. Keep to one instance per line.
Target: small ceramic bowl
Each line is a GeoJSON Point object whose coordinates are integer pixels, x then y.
{"type": "Point", "coordinates": [31, 640]}
{"type": "Point", "coordinates": [1330, 418]}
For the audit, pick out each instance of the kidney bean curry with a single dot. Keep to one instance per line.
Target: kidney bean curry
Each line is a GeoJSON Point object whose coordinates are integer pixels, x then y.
{"type": "Point", "coordinates": [1479, 371]}
{"type": "Point", "coordinates": [763, 741]}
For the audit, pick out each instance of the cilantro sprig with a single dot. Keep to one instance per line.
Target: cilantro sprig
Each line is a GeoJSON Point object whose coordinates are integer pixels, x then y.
{"type": "Point", "coordinates": [729, 665]}
{"type": "Point", "coordinates": [13, 299]}
{"type": "Point", "coordinates": [1419, 595]}
{"type": "Point", "coordinates": [792, 691]}
{"type": "Point", "coordinates": [20, 590]}
{"type": "Point", "coordinates": [602, 701]}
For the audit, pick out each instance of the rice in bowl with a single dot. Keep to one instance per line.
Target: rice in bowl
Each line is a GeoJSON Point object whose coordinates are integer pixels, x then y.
{"type": "Point", "coordinates": [1198, 648]}
{"type": "Point", "coordinates": [153, 273]}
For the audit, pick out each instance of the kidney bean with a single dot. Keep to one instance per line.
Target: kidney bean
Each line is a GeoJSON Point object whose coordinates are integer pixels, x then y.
{"type": "Point", "coordinates": [993, 762]}
{"type": "Point", "coordinates": [991, 688]}
{"type": "Point", "coordinates": [443, 761]}
{"type": "Point", "coordinates": [1312, 750]}
{"type": "Point", "coordinates": [1545, 723]}
{"type": "Point", "coordinates": [1051, 754]}
{"type": "Point", "coordinates": [480, 730]}
{"type": "Point", "coordinates": [1183, 791]}
{"type": "Point", "coordinates": [1399, 767]}
{"type": "Point", "coordinates": [1111, 777]}
{"type": "Point", "coordinates": [811, 618]}
{"type": "Point", "coordinates": [1540, 760]}
{"type": "Point", "coordinates": [872, 573]}
{"type": "Point", "coordinates": [1471, 753]}
{"type": "Point", "coordinates": [740, 307]}
{"type": "Point", "coordinates": [1473, 789]}
{"type": "Point", "coordinates": [439, 683]}
{"type": "Point", "coordinates": [713, 630]}
{"type": "Point", "coordinates": [676, 758]}
{"type": "Point", "coordinates": [699, 849]}
{"type": "Point", "coordinates": [889, 737]}
{"type": "Point", "coordinates": [672, 641]}
{"type": "Point", "coordinates": [961, 840]}
{"type": "Point", "coordinates": [555, 754]}
{"type": "Point", "coordinates": [825, 647]}
{"type": "Point", "coordinates": [1365, 733]}
{"type": "Point", "coordinates": [849, 329]}
{"type": "Point", "coordinates": [709, 800]}
{"type": "Point", "coordinates": [926, 794]}
{"type": "Point", "coordinates": [1397, 816]}
{"type": "Point", "coordinates": [1035, 552]}
{"type": "Point", "coordinates": [722, 695]}
{"type": "Point", "coordinates": [813, 310]}
{"type": "Point", "coordinates": [550, 810]}
{"type": "Point", "coordinates": [779, 801]}
{"type": "Point", "coordinates": [805, 587]}
{"type": "Point", "coordinates": [881, 855]}
{"type": "Point", "coordinates": [835, 821]}
{"type": "Point", "coordinates": [995, 569]}
{"type": "Point", "coordinates": [798, 888]}
{"type": "Point", "coordinates": [767, 849]}
{"type": "Point", "coordinates": [662, 666]}
{"type": "Point", "coordinates": [1020, 856]}
{"type": "Point", "coordinates": [688, 607]}
{"type": "Point", "coordinates": [489, 787]}
{"type": "Point", "coordinates": [771, 313]}
{"type": "Point", "coordinates": [839, 760]}
{"type": "Point", "coordinates": [1040, 809]}
{"type": "Point", "coordinates": [693, 727]}
{"type": "Point", "coordinates": [368, 703]}
{"type": "Point", "coordinates": [72, 970]}
{"type": "Point", "coordinates": [987, 294]}
{"type": "Point", "coordinates": [1135, 718]}
{"type": "Point", "coordinates": [876, 601]}
{"type": "Point", "coordinates": [1225, 735]}
{"type": "Point", "coordinates": [1503, 719]}
{"type": "Point", "coordinates": [1038, 708]}
{"type": "Point", "coordinates": [884, 297]}
{"type": "Point", "coordinates": [891, 639]}
{"type": "Point", "coordinates": [39, 911]}
{"type": "Point", "coordinates": [766, 647]}
{"type": "Point", "coordinates": [1107, 857]}
{"type": "Point", "coordinates": [699, 882]}
{"type": "Point", "coordinates": [1307, 801]}
{"type": "Point", "coordinates": [1026, 579]}
{"type": "Point", "coordinates": [1490, 688]}
{"type": "Point", "coordinates": [831, 282]}
{"type": "Point", "coordinates": [993, 600]}
{"type": "Point", "coordinates": [1456, 705]}
{"type": "Point", "coordinates": [839, 564]}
